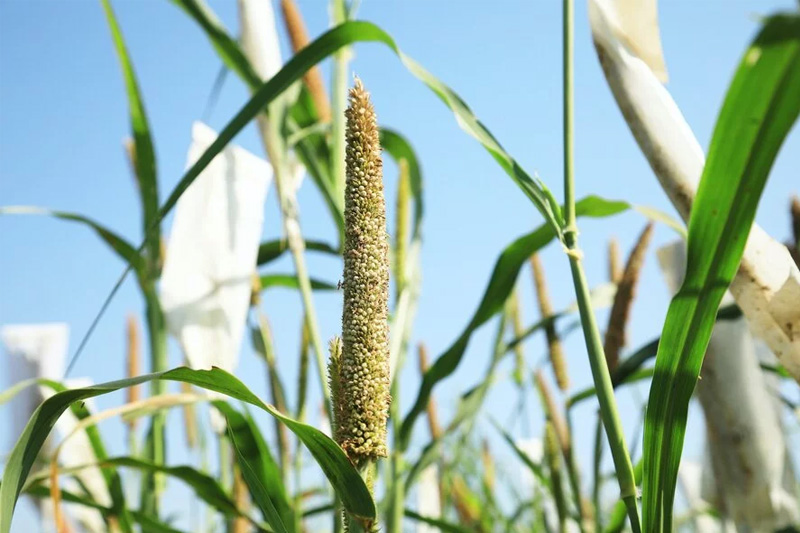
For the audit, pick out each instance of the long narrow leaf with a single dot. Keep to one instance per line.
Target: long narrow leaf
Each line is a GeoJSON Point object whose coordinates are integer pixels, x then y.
{"type": "Point", "coordinates": [144, 158]}
{"type": "Point", "coordinates": [289, 281]}
{"type": "Point", "coordinates": [501, 283]}
{"type": "Point", "coordinates": [259, 469]}
{"type": "Point", "coordinates": [119, 245]}
{"type": "Point", "coordinates": [325, 45]}
{"type": "Point", "coordinates": [760, 108]}
{"type": "Point", "coordinates": [329, 456]}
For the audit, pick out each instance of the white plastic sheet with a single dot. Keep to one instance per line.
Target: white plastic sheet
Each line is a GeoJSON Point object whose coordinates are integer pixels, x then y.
{"type": "Point", "coordinates": [767, 286]}
{"type": "Point", "coordinates": [211, 254]}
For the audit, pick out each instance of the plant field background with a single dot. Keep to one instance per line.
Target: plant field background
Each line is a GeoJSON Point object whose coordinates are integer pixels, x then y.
{"type": "Point", "coordinates": [63, 116]}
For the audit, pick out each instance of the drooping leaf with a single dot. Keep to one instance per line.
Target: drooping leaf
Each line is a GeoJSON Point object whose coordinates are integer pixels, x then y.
{"type": "Point", "coordinates": [344, 478]}
{"type": "Point", "coordinates": [438, 523]}
{"type": "Point", "coordinates": [396, 145]}
{"type": "Point", "coordinates": [289, 281]}
{"type": "Point", "coordinates": [536, 469]}
{"type": "Point", "coordinates": [148, 523]}
{"type": "Point", "coordinates": [204, 486]}
{"type": "Point", "coordinates": [144, 158]}
{"type": "Point", "coordinates": [259, 469]}
{"type": "Point", "coordinates": [119, 245]}
{"type": "Point", "coordinates": [762, 104]}
{"type": "Point", "coordinates": [500, 285]}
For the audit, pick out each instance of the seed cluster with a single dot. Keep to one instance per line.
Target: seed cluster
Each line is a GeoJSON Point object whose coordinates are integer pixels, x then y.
{"type": "Point", "coordinates": [364, 369]}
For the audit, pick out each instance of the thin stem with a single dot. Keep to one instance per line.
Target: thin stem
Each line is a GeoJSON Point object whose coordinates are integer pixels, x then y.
{"type": "Point", "coordinates": [156, 445]}
{"type": "Point", "coordinates": [398, 491]}
{"type": "Point", "coordinates": [272, 143]}
{"type": "Point", "coordinates": [602, 382]}
{"type": "Point", "coordinates": [598, 480]}
{"type": "Point", "coordinates": [568, 66]}
{"type": "Point", "coordinates": [225, 461]}
{"type": "Point", "coordinates": [594, 343]}
{"type": "Point", "coordinates": [276, 392]}
{"type": "Point", "coordinates": [368, 470]}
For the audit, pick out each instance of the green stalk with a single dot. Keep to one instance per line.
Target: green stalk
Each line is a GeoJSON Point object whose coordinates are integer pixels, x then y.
{"type": "Point", "coordinates": [289, 211]}
{"type": "Point", "coordinates": [598, 480]}
{"type": "Point", "coordinates": [156, 439]}
{"type": "Point", "coordinates": [594, 343]}
{"type": "Point", "coordinates": [573, 476]}
{"type": "Point", "coordinates": [300, 416]}
{"type": "Point", "coordinates": [276, 392]}
{"type": "Point", "coordinates": [225, 462]}
{"type": "Point", "coordinates": [397, 491]}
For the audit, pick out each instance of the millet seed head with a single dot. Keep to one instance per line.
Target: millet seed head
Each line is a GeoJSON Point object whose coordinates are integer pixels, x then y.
{"type": "Point", "coordinates": [364, 371]}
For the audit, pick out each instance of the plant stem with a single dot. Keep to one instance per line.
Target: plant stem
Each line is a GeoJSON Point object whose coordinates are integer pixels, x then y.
{"type": "Point", "coordinates": [156, 448]}
{"type": "Point", "coordinates": [394, 524]}
{"type": "Point", "coordinates": [289, 211]}
{"type": "Point", "coordinates": [598, 480]}
{"type": "Point", "coordinates": [602, 382]}
{"type": "Point", "coordinates": [276, 392]}
{"type": "Point", "coordinates": [594, 344]}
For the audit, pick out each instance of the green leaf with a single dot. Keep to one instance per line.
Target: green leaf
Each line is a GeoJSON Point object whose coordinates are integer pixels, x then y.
{"type": "Point", "coordinates": [144, 160]}
{"type": "Point", "coordinates": [110, 475]}
{"type": "Point", "coordinates": [762, 104]}
{"type": "Point", "coordinates": [227, 48]}
{"type": "Point", "coordinates": [397, 146]}
{"type": "Point", "coordinates": [536, 469]}
{"type": "Point", "coordinates": [438, 523]}
{"type": "Point", "coordinates": [289, 281]}
{"type": "Point", "coordinates": [322, 47]}
{"type": "Point", "coordinates": [329, 456]}
{"type": "Point", "coordinates": [148, 523]}
{"type": "Point", "coordinates": [123, 248]}
{"type": "Point", "coordinates": [205, 487]}
{"type": "Point", "coordinates": [271, 250]}
{"type": "Point", "coordinates": [501, 283]}
{"type": "Point", "coordinates": [259, 469]}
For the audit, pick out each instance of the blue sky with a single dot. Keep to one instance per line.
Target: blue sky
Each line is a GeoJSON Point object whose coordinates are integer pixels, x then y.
{"type": "Point", "coordinates": [63, 116]}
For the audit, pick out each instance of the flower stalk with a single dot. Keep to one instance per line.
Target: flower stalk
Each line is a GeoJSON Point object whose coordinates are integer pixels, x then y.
{"type": "Point", "coordinates": [298, 36]}
{"type": "Point", "coordinates": [623, 299]}
{"type": "Point", "coordinates": [554, 347]}
{"type": "Point", "coordinates": [594, 345]}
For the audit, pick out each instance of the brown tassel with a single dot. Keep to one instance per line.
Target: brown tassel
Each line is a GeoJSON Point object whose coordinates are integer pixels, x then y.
{"type": "Point", "coordinates": [433, 418]}
{"type": "Point", "coordinates": [554, 347]}
{"type": "Point", "coordinates": [133, 357]}
{"type": "Point", "coordinates": [623, 300]}
{"type": "Point", "coordinates": [553, 413]}
{"type": "Point", "coordinates": [298, 35]}
{"type": "Point", "coordinates": [614, 261]}
{"type": "Point", "coordinates": [240, 491]}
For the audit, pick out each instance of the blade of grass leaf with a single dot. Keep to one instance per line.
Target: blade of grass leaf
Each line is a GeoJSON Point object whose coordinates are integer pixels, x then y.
{"type": "Point", "coordinates": [439, 524]}
{"type": "Point", "coordinates": [110, 475]}
{"type": "Point", "coordinates": [262, 474]}
{"type": "Point", "coordinates": [148, 523]}
{"type": "Point", "coordinates": [271, 250]}
{"type": "Point", "coordinates": [761, 106]}
{"type": "Point", "coordinates": [257, 490]}
{"type": "Point", "coordinates": [500, 285]}
{"type": "Point", "coordinates": [340, 472]}
{"type": "Point", "coordinates": [289, 281]}
{"type": "Point", "coordinates": [118, 244]}
{"type": "Point", "coordinates": [144, 159]}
